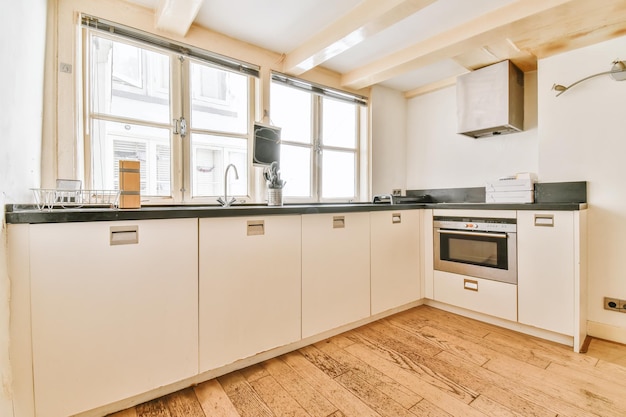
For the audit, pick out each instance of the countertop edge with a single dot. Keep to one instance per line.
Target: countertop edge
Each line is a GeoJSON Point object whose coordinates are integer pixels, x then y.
{"type": "Point", "coordinates": [20, 216]}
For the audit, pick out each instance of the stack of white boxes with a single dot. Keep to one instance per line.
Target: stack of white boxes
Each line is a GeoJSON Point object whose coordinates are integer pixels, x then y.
{"type": "Point", "coordinates": [518, 188]}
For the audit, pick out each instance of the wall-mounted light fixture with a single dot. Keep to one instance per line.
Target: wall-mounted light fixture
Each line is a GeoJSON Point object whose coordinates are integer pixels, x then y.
{"type": "Point", "coordinates": [617, 72]}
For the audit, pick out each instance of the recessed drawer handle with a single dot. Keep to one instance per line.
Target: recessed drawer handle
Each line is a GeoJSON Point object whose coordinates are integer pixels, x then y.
{"type": "Point", "coordinates": [544, 220]}
{"type": "Point", "coordinates": [339, 222]}
{"type": "Point", "coordinates": [123, 235]}
{"type": "Point", "coordinates": [470, 285]}
{"type": "Point", "coordinates": [256, 227]}
{"type": "Point", "coordinates": [396, 218]}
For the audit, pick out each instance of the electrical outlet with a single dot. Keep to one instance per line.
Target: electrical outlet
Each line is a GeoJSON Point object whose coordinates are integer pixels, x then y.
{"type": "Point", "coordinates": [614, 304]}
{"type": "Point", "coordinates": [396, 192]}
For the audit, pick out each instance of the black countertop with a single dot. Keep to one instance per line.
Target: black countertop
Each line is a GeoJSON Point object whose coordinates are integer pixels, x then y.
{"type": "Point", "coordinates": [16, 214]}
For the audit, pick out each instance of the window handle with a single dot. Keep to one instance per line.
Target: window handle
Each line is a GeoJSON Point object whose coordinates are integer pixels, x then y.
{"type": "Point", "coordinates": [317, 147]}
{"type": "Point", "coordinates": [180, 127]}
{"type": "Point", "coordinates": [183, 127]}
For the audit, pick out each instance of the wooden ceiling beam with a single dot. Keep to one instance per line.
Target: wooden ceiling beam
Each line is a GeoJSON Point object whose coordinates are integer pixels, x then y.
{"type": "Point", "coordinates": [498, 24]}
{"type": "Point", "coordinates": [429, 88]}
{"type": "Point", "coordinates": [176, 16]}
{"type": "Point", "coordinates": [364, 21]}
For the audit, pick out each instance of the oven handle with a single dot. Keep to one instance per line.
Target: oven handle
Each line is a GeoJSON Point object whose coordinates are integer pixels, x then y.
{"type": "Point", "coordinates": [460, 232]}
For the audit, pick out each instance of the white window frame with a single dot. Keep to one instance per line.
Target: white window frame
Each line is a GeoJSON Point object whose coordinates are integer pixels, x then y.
{"type": "Point", "coordinates": [180, 104]}
{"type": "Point", "coordinates": [317, 92]}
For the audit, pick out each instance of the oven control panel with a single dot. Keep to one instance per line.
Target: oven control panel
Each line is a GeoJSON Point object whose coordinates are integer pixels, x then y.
{"type": "Point", "coordinates": [476, 224]}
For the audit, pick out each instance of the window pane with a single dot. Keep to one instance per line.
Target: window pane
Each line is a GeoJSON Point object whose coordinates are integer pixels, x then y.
{"type": "Point", "coordinates": [210, 157]}
{"type": "Point", "coordinates": [112, 142]}
{"type": "Point", "coordinates": [129, 81]}
{"type": "Point", "coordinates": [338, 174]}
{"type": "Point", "coordinates": [295, 168]}
{"type": "Point", "coordinates": [219, 99]}
{"type": "Point", "coordinates": [338, 123]}
{"type": "Point", "coordinates": [291, 110]}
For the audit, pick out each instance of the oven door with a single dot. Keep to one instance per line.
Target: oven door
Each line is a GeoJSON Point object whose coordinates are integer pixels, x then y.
{"type": "Point", "coordinates": [489, 255]}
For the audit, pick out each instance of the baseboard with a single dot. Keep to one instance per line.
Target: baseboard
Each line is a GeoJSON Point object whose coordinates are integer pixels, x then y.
{"type": "Point", "coordinates": [606, 332]}
{"type": "Point", "coordinates": [496, 321]}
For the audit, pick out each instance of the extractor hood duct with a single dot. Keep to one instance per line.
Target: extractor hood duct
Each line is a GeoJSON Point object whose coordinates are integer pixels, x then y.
{"type": "Point", "coordinates": [490, 101]}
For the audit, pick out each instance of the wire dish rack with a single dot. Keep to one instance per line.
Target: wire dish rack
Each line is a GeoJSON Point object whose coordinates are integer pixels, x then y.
{"type": "Point", "coordinates": [49, 198]}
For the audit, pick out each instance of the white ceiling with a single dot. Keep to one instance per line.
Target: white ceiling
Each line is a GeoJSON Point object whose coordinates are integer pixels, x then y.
{"type": "Point", "coordinates": [284, 25]}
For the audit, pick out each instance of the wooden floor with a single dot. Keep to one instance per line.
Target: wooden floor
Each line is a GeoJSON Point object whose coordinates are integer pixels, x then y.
{"type": "Point", "coordinates": [422, 362]}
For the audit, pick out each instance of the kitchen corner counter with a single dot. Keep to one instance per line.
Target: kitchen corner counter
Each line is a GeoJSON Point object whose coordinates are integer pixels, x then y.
{"type": "Point", "coordinates": [29, 214]}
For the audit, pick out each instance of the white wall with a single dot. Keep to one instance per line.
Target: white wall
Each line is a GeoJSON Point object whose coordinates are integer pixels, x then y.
{"type": "Point", "coordinates": [438, 157]}
{"type": "Point", "coordinates": [22, 26]}
{"type": "Point", "coordinates": [582, 136]}
{"type": "Point", "coordinates": [388, 110]}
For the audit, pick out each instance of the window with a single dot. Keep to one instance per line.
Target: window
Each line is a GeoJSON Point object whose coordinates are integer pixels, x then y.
{"type": "Point", "coordinates": [184, 116]}
{"type": "Point", "coordinates": [320, 140]}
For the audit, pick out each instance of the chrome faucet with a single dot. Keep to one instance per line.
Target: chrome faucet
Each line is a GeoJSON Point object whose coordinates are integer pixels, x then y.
{"type": "Point", "coordinates": [225, 202]}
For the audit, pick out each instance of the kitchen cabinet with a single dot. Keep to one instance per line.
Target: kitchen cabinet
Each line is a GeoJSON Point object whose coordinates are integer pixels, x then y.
{"type": "Point", "coordinates": [335, 270]}
{"type": "Point", "coordinates": [498, 299]}
{"type": "Point", "coordinates": [114, 310]}
{"type": "Point", "coordinates": [250, 286]}
{"type": "Point", "coordinates": [551, 272]}
{"type": "Point", "coordinates": [395, 259]}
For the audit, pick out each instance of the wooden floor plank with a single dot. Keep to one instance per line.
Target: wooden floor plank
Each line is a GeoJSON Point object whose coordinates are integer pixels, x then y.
{"type": "Point", "coordinates": [511, 400]}
{"type": "Point", "coordinates": [324, 362]}
{"type": "Point", "coordinates": [408, 358]}
{"type": "Point", "coordinates": [214, 401]}
{"type": "Point", "coordinates": [343, 399]}
{"type": "Point", "coordinates": [528, 346]}
{"type": "Point", "coordinates": [610, 352]}
{"type": "Point", "coordinates": [530, 393]}
{"type": "Point", "coordinates": [462, 378]}
{"type": "Point", "coordinates": [601, 376]}
{"type": "Point", "coordinates": [154, 408]}
{"type": "Point", "coordinates": [610, 368]}
{"type": "Point", "coordinates": [427, 316]}
{"type": "Point", "coordinates": [370, 395]}
{"type": "Point", "coordinates": [444, 341]}
{"type": "Point", "coordinates": [600, 385]}
{"type": "Point", "coordinates": [254, 372]}
{"type": "Point", "coordinates": [420, 344]}
{"type": "Point", "coordinates": [427, 409]}
{"type": "Point", "coordinates": [277, 399]}
{"type": "Point", "coordinates": [244, 398]}
{"type": "Point", "coordinates": [581, 392]}
{"type": "Point", "coordinates": [382, 382]}
{"type": "Point", "coordinates": [493, 408]}
{"type": "Point", "coordinates": [397, 367]}
{"type": "Point", "coordinates": [184, 404]}
{"type": "Point", "coordinates": [311, 400]}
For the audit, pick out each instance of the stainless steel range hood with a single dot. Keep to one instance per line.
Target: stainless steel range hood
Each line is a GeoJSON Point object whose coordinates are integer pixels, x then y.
{"type": "Point", "coordinates": [490, 101]}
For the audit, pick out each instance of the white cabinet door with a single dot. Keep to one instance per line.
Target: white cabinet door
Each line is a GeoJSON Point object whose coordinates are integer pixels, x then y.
{"type": "Point", "coordinates": [395, 258]}
{"type": "Point", "coordinates": [250, 283]}
{"type": "Point", "coordinates": [114, 310]}
{"type": "Point", "coordinates": [485, 296]}
{"type": "Point", "coordinates": [335, 270]}
{"type": "Point", "coordinates": [545, 244]}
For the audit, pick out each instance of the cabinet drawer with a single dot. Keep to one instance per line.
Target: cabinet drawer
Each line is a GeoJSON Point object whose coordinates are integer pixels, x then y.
{"type": "Point", "coordinates": [495, 298]}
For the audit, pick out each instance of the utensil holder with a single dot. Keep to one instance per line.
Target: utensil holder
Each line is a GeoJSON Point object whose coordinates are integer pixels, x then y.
{"type": "Point", "coordinates": [274, 196]}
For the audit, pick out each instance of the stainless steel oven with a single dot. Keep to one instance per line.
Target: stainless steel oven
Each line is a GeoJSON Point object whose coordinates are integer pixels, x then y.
{"type": "Point", "coordinates": [478, 247]}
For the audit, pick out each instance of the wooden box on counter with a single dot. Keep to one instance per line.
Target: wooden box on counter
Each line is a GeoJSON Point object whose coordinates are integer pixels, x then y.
{"type": "Point", "coordinates": [130, 195]}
